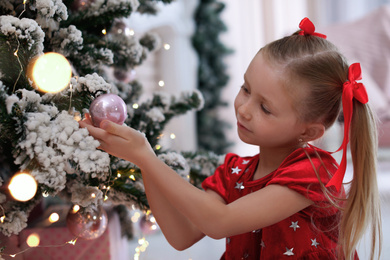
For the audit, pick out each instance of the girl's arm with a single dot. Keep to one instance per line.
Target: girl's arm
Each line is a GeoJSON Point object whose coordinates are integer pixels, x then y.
{"type": "Point", "coordinates": [177, 229]}
{"type": "Point", "coordinates": [205, 210]}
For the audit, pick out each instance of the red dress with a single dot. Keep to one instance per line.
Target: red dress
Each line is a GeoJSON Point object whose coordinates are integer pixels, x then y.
{"type": "Point", "coordinates": [311, 233]}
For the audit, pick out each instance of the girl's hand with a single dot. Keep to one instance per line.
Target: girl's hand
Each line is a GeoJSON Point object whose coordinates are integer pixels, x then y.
{"type": "Point", "coordinates": [120, 141]}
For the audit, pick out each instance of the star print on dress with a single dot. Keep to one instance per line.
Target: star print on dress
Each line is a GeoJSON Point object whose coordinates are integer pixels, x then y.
{"type": "Point", "coordinates": [245, 161]}
{"type": "Point", "coordinates": [239, 186]}
{"type": "Point", "coordinates": [289, 252]}
{"type": "Point", "coordinates": [314, 242]}
{"type": "Point", "coordinates": [294, 225]}
{"type": "Point", "coordinates": [236, 170]}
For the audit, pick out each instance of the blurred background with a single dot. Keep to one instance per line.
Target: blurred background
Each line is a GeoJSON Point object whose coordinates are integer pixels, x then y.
{"type": "Point", "coordinates": [360, 28]}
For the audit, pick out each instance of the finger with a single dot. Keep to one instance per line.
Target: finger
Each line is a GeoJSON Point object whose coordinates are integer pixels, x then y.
{"type": "Point", "coordinates": [115, 129]}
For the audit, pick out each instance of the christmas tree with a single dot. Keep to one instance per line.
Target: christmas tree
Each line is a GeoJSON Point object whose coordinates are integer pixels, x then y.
{"type": "Point", "coordinates": [40, 135]}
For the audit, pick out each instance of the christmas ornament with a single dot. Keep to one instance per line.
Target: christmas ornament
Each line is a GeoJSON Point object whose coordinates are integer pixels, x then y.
{"type": "Point", "coordinates": [108, 107]}
{"type": "Point", "coordinates": [85, 224]}
{"type": "Point", "coordinates": [79, 5]}
{"type": "Point", "coordinates": [148, 224]}
{"type": "Point", "coordinates": [50, 72]}
{"type": "Point", "coordinates": [22, 186]}
{"type": "Point", "coordinates": [125, 76]}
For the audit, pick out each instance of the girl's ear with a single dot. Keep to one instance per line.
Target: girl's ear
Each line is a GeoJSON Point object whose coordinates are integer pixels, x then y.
{"type": "Point", "coordinates": [313, 131]}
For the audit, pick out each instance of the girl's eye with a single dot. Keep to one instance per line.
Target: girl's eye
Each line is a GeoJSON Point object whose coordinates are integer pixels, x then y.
{"type": "Point", "coordinates": [265, 110]}
{"type": "Point", "coordinates": [244, 89]}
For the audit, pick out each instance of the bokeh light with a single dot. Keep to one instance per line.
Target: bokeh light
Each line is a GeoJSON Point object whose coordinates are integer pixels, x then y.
{"type": "Point", "coordinates": [51, 72]}
{"type": "Point", "coordinates": [33, 240]}
{"type": "Point", "coordinates": [22, 186]}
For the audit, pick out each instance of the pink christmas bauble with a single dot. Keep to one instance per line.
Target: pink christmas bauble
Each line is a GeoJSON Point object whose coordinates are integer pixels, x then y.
{"type": "Point", "coordinates": [108, 107]}
{"type": "Point", "coordinates": [87, 225]}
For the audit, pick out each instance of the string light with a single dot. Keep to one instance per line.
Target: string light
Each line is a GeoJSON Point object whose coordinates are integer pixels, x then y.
{"type": "Point", "coordinates": [135, 106]}
{"type": "Point", "coordinates": [161, 83]}
{"type": "Point", "coordinates": [75, 208]}
{"type": "Point", "coordinates": [33, 240]}
{"type": "Point", "coordinates": [167, 46]}
{"type": "Point", "coordinates": [129, 32]}
{"type": "Point", "coordinates": [104, 31]}
{"type": "Point", "coordinates": [23, 186]}
{"type": "Point", "coordinates": [158, 147]}
{"type": "Point", "coordinates": [172, 136]}
{"type": "Point", "coordinates": [50, 72]}
{"type": "Point", "coordinates": [17, 57]}
{"type": "Point", "coordinates": [54, 217]}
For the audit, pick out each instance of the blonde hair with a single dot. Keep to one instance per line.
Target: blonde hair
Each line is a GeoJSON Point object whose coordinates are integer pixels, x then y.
{"type": "Point", "coordinates": [319, 65]}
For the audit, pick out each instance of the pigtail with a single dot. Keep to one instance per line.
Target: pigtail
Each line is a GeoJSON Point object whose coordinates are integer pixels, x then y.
{"type": "Point", "coordinates": [362, 207]}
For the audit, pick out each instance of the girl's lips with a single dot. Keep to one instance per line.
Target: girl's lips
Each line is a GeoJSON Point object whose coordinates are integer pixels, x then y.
{"type": "Point", "coordinates": [242, 127]}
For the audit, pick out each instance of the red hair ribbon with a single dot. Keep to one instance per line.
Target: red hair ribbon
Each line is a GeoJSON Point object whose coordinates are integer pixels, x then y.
{"type": "Point", "coordinates": [307, 28]}
{"type": "Point", "coordinates": [351, 90]}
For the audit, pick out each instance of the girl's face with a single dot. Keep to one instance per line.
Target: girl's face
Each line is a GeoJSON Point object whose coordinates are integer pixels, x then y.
{"type": "Point", "coordinates": [264, 110]}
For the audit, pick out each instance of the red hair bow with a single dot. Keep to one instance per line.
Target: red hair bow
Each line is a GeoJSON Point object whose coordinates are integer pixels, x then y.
{"type": "Point", "coordinates": [351, 90]}
{"type": "Point", "coordinates": [307, 28]}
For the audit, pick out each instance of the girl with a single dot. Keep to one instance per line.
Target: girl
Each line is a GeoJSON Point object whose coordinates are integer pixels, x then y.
{"type": "Point", "coordinates": [287, 201]}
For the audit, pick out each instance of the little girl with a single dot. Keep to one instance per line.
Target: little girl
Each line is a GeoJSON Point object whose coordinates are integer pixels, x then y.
{"type": "Point", "coordinates": [287, 202]}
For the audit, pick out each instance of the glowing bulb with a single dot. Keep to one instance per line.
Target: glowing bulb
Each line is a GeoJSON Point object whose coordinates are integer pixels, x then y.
{"type": "Point", "coordinates": [22, 187]}
{"type": "Point", "coordinates": [51, 72]}
{"type": "Point", "coordinates": [135, 106]}
{"type": "Point", "coordinates": [132, 177]}
{"type": "Point", "coordinates": [161, 83]}
{"type": "Point", "coordinates": [2, 219]}
{"type": "Point", "coordinates": [54, 217]}
{"type": "Point", "coordinates": [75, 208]}
{"type": "Point", "coordinates": [33, 240]}
{"type": "Point", "coordinates": [173, 136]}
{"type": "Point", "coordinates": [158, 147]}
{"type": "Point", "coordinates": [93, 195]}
{"type": "Point", "coordinates": [167, 46]}
{"type": "Point", "coordinates": [104, 31]}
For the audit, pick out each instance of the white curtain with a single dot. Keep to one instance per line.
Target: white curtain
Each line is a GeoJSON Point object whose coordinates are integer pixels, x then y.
{"type": "Point", "coordinates": [253, 23]}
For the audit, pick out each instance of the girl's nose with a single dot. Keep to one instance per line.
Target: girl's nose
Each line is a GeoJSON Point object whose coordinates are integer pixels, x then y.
{"type": "Point", "coordinates": [245, 111]}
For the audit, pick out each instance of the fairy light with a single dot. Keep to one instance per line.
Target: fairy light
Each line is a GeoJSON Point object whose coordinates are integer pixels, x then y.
{"type": "Point", "coordinates": [135, 106]}
{"type": "Point", "coordinates": [167, 46]}
{"type": "Point", "coordinates": [54, 217]}
{"type": "Point", "coordinates": [20, 63]}
{"type": "Point", "coordinates": [72, 242]}
{"type": "Point", "coordinates": [172, 136]}
{"type": "Point", "coordinates": [50, 72]}
{"type": "Point", "coordinates": [132, 177]}
{"type": "Point", "coordinates": [24, 8]}
{"type": "Point", "coordinates": [135, 217]}
{"type": "Point", "coordinates": [104, 31]}
{"type": "Point", "coordinates": [119, 175]}
{"type": "Point", "coordinates": [45, 194]}
{"type": "Point", "coordinates": [33, 240]}
{"type": "Point", "coordinates": [23, 186]}
{"type": "Point", "coordinates": [161, 83]}
{"type": "Point", "coordinates": [75, 209]}
{"type": "Point", "coordinates": [129, 32]}
{"type": "Point", "coordinates": [93, 195]}
{"type": "Point", "coordinates": [158, 147]}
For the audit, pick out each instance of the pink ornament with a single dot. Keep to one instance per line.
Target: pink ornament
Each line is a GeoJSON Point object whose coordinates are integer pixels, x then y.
{"type": "Point", "coordinates": [87, 225]}
{"type": "Point", "coordinates": [108, 107]}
